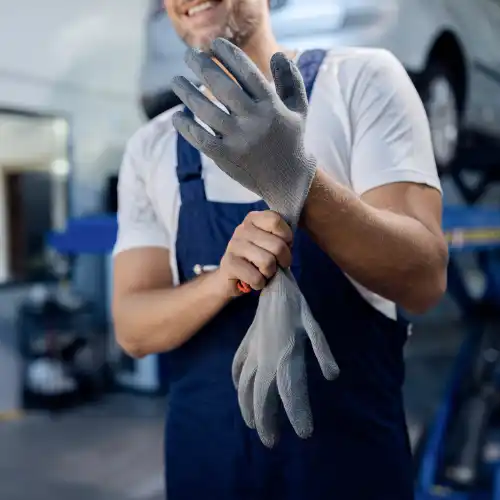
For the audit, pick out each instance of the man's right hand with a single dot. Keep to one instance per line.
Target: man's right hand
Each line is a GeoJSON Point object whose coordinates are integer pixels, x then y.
{"type": "Point", "coordinates": [153, 316]}
{"type": "Point", "coordinates": [260, 244]}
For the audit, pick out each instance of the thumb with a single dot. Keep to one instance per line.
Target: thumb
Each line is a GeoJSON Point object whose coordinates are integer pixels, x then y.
{"type": "Point", "coordinates": [289, 84]}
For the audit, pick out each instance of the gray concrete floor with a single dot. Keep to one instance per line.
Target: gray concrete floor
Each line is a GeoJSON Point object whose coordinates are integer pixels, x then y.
{"type": "Point", "coordinates": [109, 451]}
{"type": "Point", "coordinates": [112, 450]}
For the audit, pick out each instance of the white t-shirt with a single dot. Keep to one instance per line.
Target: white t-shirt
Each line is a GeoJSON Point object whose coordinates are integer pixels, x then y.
{"type": "Point", "coordinates": [366, 127]}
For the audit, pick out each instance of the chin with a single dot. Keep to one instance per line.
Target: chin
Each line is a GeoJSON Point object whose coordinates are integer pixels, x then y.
{"type": "Point", "coordinates": [203, 42]}
{"type": "Point", "coordinates": [204, 39]}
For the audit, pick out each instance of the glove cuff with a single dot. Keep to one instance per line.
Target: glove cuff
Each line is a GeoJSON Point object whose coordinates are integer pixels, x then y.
{"type": "Point", "coordinates": [290, 204]}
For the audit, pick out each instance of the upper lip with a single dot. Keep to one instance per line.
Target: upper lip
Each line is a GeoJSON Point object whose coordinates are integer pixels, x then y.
{"type": "Point", "coordinates": [186, 8]}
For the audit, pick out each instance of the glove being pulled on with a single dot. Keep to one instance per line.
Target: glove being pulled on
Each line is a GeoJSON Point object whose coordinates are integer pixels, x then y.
{"type": "Point", "coordinates": [259, 143]}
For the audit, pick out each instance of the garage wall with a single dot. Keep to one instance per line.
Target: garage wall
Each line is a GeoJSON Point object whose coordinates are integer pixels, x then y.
{"type": "Point", "coordinates": [80, 59]}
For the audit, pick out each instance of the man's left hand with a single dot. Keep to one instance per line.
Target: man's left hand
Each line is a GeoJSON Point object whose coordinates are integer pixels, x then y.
{"type": "Point", "coordinates": [259, 141]}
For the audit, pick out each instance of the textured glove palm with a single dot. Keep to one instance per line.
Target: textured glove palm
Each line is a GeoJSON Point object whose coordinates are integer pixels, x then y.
{"type": "Point", "coordinates": [259, 143]}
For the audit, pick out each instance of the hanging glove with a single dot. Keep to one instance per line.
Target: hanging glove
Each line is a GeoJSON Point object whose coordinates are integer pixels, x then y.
{"type": "Point", "coordinates": [270, 362]}
{"type": "Point", "coordinates": [259, 143]}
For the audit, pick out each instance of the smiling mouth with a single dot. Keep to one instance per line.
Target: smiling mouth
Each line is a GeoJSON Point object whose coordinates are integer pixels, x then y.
{"type": "Point", "coordinates": [201, 7]}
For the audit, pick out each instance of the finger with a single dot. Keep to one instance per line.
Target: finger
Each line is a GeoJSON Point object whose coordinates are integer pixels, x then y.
{"type": "Point", "coordinates": [271, 222]}
{"type": "Point", "coordinates": [240, 358]}
{"type": "Point", "coordinates": [227, 91]}
{"type": "Point", "coordinates": [245, 271]}
{"type": "Point", "coordinates": [262, 259]}
{"type": "Point", "coordinates": [196, 135]}
{"type": "Point", "coordinates": [266, 406]}
{"type": "Point", "coordinates": [245, 392]}
{"type": "Point", "coordinates": [275, 245]}
{"type": "Point", "coordinates": [289, 83]}
{"type": "Point", "coordinates": [242, 68]}
{"type": "Point", "coordinates": [320, 346]}
{"type": "Point", "coordinates": [202, 107]}
{"type": "Point", "coordinates": [292, 387]}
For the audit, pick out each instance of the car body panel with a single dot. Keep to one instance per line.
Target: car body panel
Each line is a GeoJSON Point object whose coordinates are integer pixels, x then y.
{"type": "Point", "coordinates": [408, 28]}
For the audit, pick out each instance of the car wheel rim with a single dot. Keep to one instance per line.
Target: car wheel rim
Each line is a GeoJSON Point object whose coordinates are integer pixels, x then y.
{"type": "Point", "coordinates": [443, 119]}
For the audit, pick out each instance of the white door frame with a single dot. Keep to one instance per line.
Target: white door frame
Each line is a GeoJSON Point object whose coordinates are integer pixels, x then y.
{"type": "Point", "coordinates": [31, 155]}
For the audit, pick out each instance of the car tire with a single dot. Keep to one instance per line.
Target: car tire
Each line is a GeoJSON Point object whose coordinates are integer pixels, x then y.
{"type": "Point", "coordinates": [440, 94]}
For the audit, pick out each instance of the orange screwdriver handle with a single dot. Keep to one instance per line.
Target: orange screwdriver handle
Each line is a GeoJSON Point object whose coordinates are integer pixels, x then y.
{"type": "Point", "coordinates": [243, 287]}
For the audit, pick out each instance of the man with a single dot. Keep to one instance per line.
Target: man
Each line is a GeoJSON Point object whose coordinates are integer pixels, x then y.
{"type": "Point", "coordinates": [369, 241]}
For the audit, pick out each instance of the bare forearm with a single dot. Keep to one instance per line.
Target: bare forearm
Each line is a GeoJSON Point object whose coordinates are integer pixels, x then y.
{"type": "Point", "coordinates": [393, 255]}
{"type": "Point", "coordinates": [154, 321]}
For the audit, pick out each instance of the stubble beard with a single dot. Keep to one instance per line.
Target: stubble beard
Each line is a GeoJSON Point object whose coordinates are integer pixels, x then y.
{"type": "Point", "coordinates": [238, 29]}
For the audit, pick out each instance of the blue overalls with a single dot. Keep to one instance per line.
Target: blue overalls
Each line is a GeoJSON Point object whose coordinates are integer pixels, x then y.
{"type": "Point", "coordinates": [359, 449]}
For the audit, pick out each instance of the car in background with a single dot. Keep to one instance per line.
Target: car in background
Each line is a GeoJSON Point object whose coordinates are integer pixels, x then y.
{"type": "Point", "coordinates": [450, 48]}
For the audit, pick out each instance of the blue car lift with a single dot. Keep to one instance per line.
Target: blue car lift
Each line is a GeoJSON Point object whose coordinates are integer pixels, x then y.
{"type": "Point", "coordinates": [451, 461]}
{"type": "Point", "coordinates": [471, 394]}
{"type": "Point", "coordinates": [469, 229]}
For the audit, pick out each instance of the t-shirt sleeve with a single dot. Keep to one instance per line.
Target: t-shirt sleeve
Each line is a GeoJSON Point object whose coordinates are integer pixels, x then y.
{"type": "Point", "coordinates": [138, 222]}
{"type": "Point", "coordinates": [391, 139]}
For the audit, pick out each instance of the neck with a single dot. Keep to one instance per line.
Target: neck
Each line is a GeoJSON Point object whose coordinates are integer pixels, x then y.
{"type": "Point", "coordinates": [261, 47]}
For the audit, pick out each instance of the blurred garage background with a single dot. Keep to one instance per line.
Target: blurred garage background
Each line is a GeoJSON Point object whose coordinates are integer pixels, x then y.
{"type": "Point", "coordinates": [80, 418]}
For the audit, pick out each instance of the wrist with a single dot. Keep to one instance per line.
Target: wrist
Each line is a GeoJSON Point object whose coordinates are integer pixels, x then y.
{"type": "Point", "coordinates": [222, 287]}
{"type": "Point", "coordinates": [289, 202]}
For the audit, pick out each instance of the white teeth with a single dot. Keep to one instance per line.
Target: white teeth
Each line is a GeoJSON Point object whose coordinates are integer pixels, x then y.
{"type": "Point", "coordinates": [199, 8]}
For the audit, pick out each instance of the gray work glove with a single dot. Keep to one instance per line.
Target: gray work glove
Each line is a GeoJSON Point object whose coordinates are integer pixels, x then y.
{"type": "Point", "coordinates": [270, 362]}
{"type": "Point", "coordinates": [259, 143]}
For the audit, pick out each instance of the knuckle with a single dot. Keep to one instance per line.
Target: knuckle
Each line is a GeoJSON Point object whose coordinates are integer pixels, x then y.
{"type": "Point", "coordinates": [238, 233]}
{"type": "Point", "coordinates": [269, 267]}
{"type": "Point", "coordinates": [274, 220]}
{"type": "Point", "coordinates": [258, 282]}
{"type": "Point", "coordinates": [237, 242]}
{"type": "Point", "coordinates": [274, 216]}
{"type": "Point", "coordinates": [251, 216]}
{"type": "Point", "coordinates": [281, 249]}
{"type": "Point", "coordinates": [270, 262]}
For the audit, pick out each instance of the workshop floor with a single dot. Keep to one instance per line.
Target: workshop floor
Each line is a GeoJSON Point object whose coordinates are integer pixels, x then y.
{"type": "Point", "coordinates": [112, 451]}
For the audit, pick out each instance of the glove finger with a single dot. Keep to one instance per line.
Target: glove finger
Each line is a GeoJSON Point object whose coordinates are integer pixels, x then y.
{"type": "Point", "coordinates": [243, 351]}
{"type": "Point", "coordinates": [319, 343]}
{"type": "Point", "coordinates": [292, 387]}
{"type": "Point", "coordinates": [227, 91]}
{"type": "Point", "coordinates": [240, 358]}
{"type": "Point", "coordinates": [202, 107]}
{"type": "Point", "coordinates": [246, 390]}
{"type": "Point", "coordinates": [242, 68]}
{"type": "Point", "coordinates": [266, 405]}
{"type": "Point", "coordinates": [196, 135]}
{"type": "Point", "coordinates": [289, 83]}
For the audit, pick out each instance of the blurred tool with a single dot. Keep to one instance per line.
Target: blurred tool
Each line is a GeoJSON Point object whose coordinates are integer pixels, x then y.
{"type": "Point", "coordinates": [61, 341]}
{"type": "Point", "coordinates": [468, 432]}
{"type": "Point", "coordinates": [96, 235]}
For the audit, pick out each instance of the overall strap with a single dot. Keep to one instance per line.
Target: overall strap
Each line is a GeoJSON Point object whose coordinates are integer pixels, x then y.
{"type": "Point", "coordinates": [189, 170]}
{"type": "Point", "coordinates": [309, 64]}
